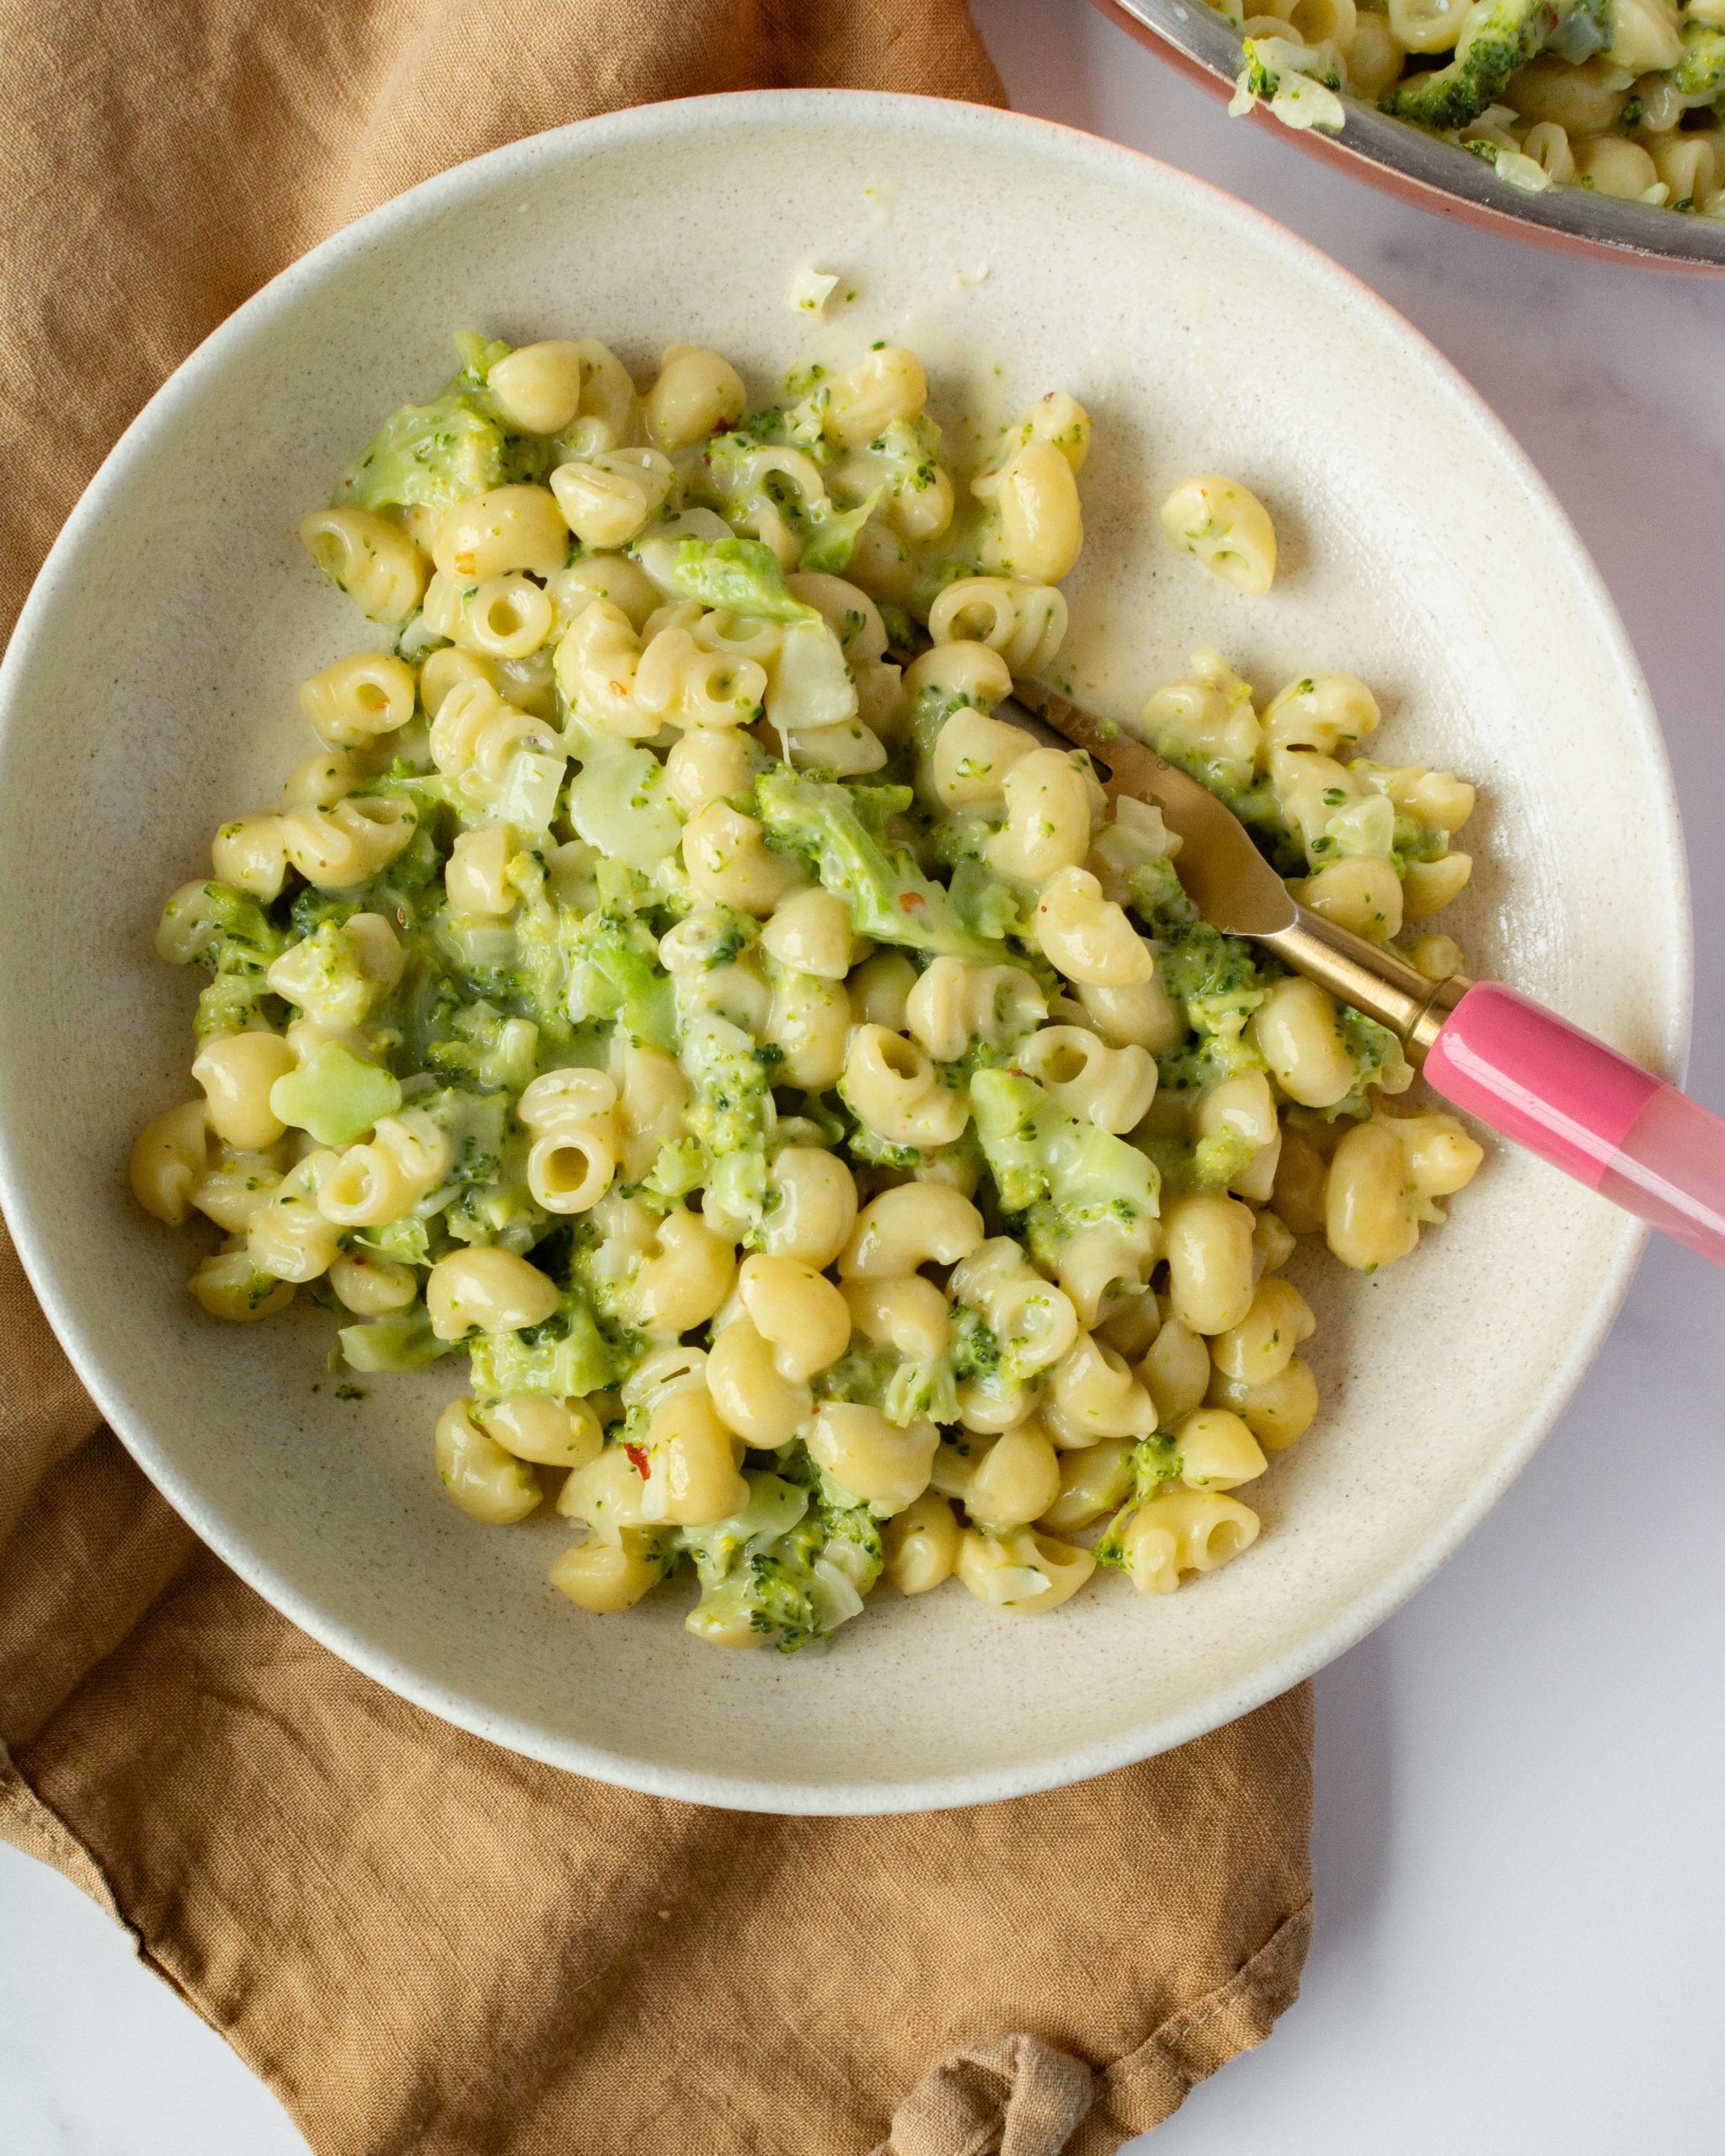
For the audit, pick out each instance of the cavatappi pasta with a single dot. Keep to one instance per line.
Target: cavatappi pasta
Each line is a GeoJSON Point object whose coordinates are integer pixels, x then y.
{"type": "Point", "coordinates": [826, 1130]}
{"type": "Point", "coordinates": [1626, 97]}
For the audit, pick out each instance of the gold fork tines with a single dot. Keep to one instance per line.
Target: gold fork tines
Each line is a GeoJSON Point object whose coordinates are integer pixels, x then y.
{"type": "Point", "coordinates": [1237, 891]}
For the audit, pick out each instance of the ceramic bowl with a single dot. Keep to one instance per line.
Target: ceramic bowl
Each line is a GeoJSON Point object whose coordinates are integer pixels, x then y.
{"type": "Point", "coordinates": [1415, 166]}
{"type": "Point", "coordinates": [149, 694]}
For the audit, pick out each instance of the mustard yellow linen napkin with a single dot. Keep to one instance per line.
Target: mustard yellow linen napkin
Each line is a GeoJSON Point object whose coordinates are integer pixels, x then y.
{"type": "Point", "coordinates": [420, 1942]}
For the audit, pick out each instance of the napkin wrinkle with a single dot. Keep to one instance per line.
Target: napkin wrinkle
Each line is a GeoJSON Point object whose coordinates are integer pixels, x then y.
{"type": "Point", "coordinates": [1138, 2091]}
{"type": "Point", "coordinates": [1016, 2097]}
{"type": "Point", "coordinates": [428, 1947]}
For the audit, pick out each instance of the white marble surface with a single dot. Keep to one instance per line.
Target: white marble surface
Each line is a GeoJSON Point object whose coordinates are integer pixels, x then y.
{"type": "Point", "coordinates": [1520, 1861]}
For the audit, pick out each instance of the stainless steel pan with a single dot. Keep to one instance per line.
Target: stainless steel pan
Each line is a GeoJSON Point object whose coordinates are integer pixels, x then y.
{"type": "Point", "coordinates": [1401, 160]}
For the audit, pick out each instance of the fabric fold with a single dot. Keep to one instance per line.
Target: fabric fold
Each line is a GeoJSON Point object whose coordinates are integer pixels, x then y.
{"type": "Point", "coordinates": [1019, 2096]}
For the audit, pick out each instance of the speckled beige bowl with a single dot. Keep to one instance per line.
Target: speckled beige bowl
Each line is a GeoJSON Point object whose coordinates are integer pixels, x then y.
{"type": "Point", "coordinates": [149, 693]}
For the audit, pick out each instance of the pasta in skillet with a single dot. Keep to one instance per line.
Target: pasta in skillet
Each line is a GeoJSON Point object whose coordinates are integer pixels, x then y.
{"type": "Point", "coordinates": [1623, 96]}
{"type": "Point", "coordinates": [825, 1129]}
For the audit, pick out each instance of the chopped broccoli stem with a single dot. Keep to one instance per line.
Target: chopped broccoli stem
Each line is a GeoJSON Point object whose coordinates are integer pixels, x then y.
{"type": "Point", "coordinates": [739, 576]}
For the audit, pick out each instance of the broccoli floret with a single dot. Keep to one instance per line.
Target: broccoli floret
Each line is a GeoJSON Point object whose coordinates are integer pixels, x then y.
{"type": "Point", "coordinates": [976, 1354]}
{"type": "Point", "coordinates": [479, 354]}
{"type": "Point", "coordinates": [1036, 1151]}
{"type": "Point", "coordinates": [921, 1392]}
{"type": "Point", "coordinates": [905, 1389]}
{"type": "Point", "coordinates": [1220, 981]}
{"type": "Point", "coordinates": [426, 1006]}
{"type": "Point", "coordinates": [1218, 1159]}
{"type": "Point", "coordinates": [530, 978]}
{"type": "Point", "coordinates": [540, 984]}
{"type": "Point", "coordinates": [226, 930]}
{"type": "Point", "coordinates": [1701, 70]}
{"type": "Point", "coordinates": [489, 1048]}
{"type": "Point", "coordinates": [566, 1355]}
{"type": "Point", "coordinates": [1258, 79]}
{"type": "Point", "coordinates": [1492, 47]}
{"type": "Point", "coordinates": [398, 894]}
{"type": "Point", "coordinates": [428, 455]}
{"type": "Point", "coordinates": [618, 975]}
{"type": "Point", "coordinates": [1155, 885]}
{"type": "Point", "coordinates": [1110, 1549]}
{"type": "Point", "coordinates": [798, 424]}
{"type": "Point", "coordinates": [475, 1124]}
{"type": "Point", "coordinates": [312, 909]}
{"type": "Point", "coordinates": [1155, 1460]}
{"type": "Point", "coordinates": [889, 897]}
{"type": "Point", "coordinates": [1378, 1060]}
{"type": "Point", "coordinates": [780, 1604]}
{"type": "Point", "coordinates": [732, 1110]}
{"type": "Point", "coordinates": [862, 1374]}
{"type": "Point", "coordinates": [228, 926]}
{"type": "Point", "coordinates": [797, 1585]}
{"type": "Point", "coordinates": [1201, 965]}
{"type": "Point", "coordinates": [851, 1537]}
{"type": "Point", "coordinates": [774, 1507]}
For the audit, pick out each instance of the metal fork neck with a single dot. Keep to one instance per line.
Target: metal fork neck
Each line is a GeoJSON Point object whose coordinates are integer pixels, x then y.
{"type": "Point", "coordinates": [1376, 981]}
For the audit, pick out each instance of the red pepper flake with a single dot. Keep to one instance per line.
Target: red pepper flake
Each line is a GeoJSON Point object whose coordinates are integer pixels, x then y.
{"type": "Point", "coordinates": [910, 900]}
{"type": "Point", "coordinates": [638, 1459]}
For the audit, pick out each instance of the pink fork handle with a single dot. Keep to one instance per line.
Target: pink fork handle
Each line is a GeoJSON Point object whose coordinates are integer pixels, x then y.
{"type": "Point", "coordinates": [1587, 1110]}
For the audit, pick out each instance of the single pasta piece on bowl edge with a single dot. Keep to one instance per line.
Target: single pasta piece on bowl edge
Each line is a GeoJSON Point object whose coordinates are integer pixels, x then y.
{"type": "Point", "coordinates": [823, 1124]}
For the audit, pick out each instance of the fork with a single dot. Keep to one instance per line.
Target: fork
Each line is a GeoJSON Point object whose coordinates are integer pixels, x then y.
{"type": "Point", "coordinates": [1516, 1066]}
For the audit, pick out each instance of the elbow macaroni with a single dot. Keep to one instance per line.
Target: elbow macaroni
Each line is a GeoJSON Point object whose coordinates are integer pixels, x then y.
{"type": "Point", "coordinates": [1227, 528]}
{"type": "Point", "coordinates": [807, 1102]}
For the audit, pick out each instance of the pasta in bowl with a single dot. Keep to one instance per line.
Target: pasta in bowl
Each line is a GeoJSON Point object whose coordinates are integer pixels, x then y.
{"type": "Point", "coordinates": [827, 1127]}
{"type": "Point", "coordinates": [148, 702]}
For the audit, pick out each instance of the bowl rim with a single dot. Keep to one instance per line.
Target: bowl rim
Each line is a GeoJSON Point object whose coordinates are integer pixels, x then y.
{"type": "Point", "coordinates": [1401, 160]}
{"type": "Point", "coordinates": [895, 111]}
